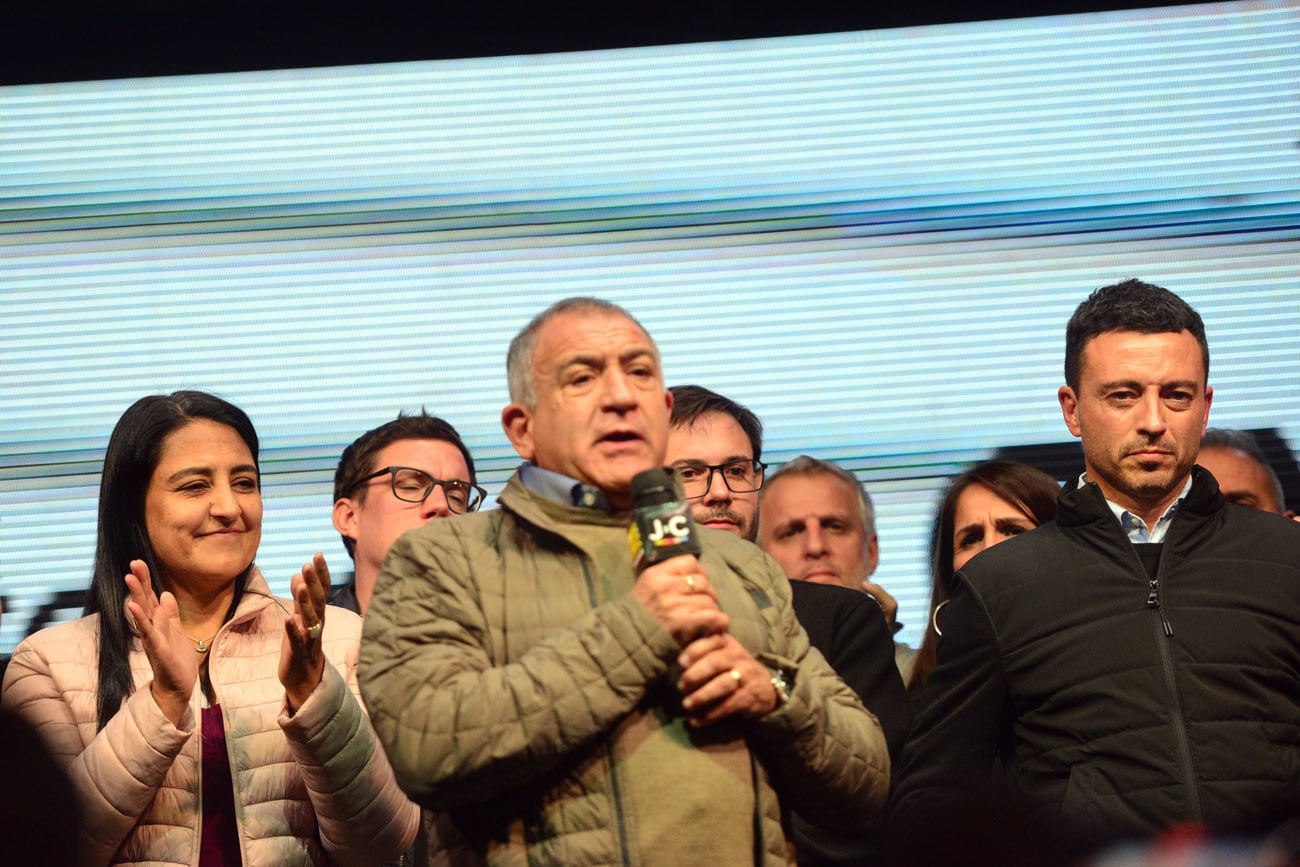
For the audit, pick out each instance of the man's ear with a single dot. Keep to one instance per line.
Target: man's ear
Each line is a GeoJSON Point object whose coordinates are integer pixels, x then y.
{"type": "Point", "coordinates": [345, 517]}
{"type": "Point", "coordinates": [873, 554]}
{"type": "Point", "coordinates": [1069, 409]}
{"type": "Point", "coordinates": [1209, 399]}
{"type": "Point", "coordinates": [517, 422]}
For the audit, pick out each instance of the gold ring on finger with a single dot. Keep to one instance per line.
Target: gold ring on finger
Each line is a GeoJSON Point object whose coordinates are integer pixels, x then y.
{"type": "Point", "coordinates": [735, 675]}
{"type": "Point", "coordinates": [314, 632]}
{"type": "Point", "coordinates": [690, 583]}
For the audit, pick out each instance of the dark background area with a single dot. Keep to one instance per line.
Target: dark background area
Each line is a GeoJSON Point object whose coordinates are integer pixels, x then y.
{"type": "Point", "coordinates": [59, 40]}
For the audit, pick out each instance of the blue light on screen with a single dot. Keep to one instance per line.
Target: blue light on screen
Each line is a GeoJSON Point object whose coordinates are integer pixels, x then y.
{"type": "Point", "coordinates": [872, 239]}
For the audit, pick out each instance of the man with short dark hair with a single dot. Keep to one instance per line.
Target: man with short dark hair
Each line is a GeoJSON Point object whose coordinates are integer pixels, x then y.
{"type": "Point", "coordinates": [566, 709]}
{"type": "Point", "coordinates": [393, 479]}
{"type": "Point", "coordinates": [714, 445]}
{"type": "Point", "coordinates": [1244, 475]}
{"type": "Point", "coordinates": [1132, 664]}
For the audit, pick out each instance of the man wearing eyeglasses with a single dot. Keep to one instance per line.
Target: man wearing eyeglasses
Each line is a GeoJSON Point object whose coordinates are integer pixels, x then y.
{"type": "Point", "coordinates": [713, 446]}
{"type": "Point", "coordinates": [395, 478]}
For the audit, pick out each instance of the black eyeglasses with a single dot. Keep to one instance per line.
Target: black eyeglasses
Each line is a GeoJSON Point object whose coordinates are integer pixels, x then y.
{"type": "Point", "coordinates": [414, 486]}
{"type": "Point", "coordinates": [740, 477]}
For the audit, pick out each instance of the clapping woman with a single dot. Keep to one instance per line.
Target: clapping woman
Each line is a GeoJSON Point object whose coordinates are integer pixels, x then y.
{"type": "Point", "coordinates": [203, 721]}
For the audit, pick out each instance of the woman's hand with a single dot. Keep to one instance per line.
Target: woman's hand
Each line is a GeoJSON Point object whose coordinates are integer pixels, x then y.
{"type": "Point", "coordinates": [171, 655]}
{"type": "Point", "coordinates": [302, 662]}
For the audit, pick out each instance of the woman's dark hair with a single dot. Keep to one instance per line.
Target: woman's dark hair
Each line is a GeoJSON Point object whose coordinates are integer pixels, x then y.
{"type": "Point", "coordinates": [1030, 490]}
{"type": "Point", "coordinates": [134, 450]}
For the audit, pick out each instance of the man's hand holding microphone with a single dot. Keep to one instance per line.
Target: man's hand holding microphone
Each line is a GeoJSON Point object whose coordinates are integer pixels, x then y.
{"type": "Point", "coordinates": [716, 676]}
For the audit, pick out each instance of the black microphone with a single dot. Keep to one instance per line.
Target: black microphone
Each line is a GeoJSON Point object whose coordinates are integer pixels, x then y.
{"type": "Point", "coordinates": [662, 525]}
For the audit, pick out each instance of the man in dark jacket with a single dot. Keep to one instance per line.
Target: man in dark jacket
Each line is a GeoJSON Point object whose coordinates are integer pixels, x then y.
{"type": "Point", "coordinates": [1133, 664]}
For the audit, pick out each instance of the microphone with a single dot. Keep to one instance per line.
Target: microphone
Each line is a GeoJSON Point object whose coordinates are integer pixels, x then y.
{"type": "Point", "coordinates": [662, 525]}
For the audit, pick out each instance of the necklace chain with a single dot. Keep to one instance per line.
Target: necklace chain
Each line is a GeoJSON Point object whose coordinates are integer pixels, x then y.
{"type": "Point", "coordinates": [201, 644]}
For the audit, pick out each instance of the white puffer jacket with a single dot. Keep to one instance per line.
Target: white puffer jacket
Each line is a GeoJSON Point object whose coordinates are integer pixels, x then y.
{"type": "Point", "coordinates": [312, 788]}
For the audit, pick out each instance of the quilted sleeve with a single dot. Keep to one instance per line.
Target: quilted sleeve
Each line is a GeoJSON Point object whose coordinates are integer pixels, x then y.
{"type": "Point", "coordinates": [826, 754]}
{"type": "Point", "coordinates": [117, 774]}
{"type": "Point", "coordinates": [459, 729]}
{"type": "Point", "coordinates": [362, 814]}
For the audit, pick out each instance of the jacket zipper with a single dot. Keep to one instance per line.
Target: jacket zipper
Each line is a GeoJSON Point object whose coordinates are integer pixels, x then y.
{"type": "Point", "coordinates": [1153, 602]}
{"type": "Point", "coordinates": [1163, 632]}
{"type": "Point", "coordinates": [614, 785]}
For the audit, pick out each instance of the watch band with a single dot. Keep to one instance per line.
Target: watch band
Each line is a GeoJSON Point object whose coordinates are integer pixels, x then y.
{"type": "Point", "coordinates": [781, 682]}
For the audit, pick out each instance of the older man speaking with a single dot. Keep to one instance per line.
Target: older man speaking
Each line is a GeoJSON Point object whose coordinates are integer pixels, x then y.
{"type": "Point", "coordinates": [564, 708]}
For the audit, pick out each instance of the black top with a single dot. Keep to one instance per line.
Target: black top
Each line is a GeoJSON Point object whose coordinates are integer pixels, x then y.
{"type": "Point", "coordinates": [1118, 703]}
{"type": "Point", "coordinates": [849, 629]}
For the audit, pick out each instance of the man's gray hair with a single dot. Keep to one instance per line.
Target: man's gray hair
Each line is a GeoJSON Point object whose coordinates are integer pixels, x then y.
{"type": "Point", "coordinates": [1244, 441]}
{"type": "Point", "coordinates": [805, 465]}
{"type": "Point", "coordinates": [519, 358]}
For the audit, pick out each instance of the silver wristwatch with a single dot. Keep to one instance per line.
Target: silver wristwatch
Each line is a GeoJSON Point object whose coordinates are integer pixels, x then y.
{"type": "Point", "coordinates": [782, 682]}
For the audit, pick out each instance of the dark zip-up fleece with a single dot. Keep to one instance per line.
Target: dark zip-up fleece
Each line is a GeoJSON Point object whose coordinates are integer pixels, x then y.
{"type": "Point", "coordinates": [1119, 702]}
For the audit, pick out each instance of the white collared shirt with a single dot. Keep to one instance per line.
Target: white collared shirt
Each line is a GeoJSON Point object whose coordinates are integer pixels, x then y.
{"type": "Point", "coordinates": [1134, 527]}
{"type": "Point", "coordinates": [562, 489]}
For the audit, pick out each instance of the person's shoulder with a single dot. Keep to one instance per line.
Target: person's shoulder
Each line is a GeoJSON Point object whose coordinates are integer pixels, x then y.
{"type": "Point", "coordinates": [1042, 548]}
{"type": "Point", "coordinates": [1247, 516]}
{"type": "Point", "coordinates": [442, 530]}
{"type": "Point", "coordinates": [740, 555]}
{"type": "Point", "coordinates": [1021, 549]}
{"type": "Point", "coordinates": [731, 548]}
{"type": "Point", "coordinates": [342, 622]}
{"type": "Point", "coordinates": [70, 646]}
{"type": "Point", "coordinates": [68, 639]}
{"type": "Point", "coordinates": [455, 538]}
{"type": "Point", "coordinates": [341, 638]}
{"type": "Point", "coordinates": [750, 563]}
{"type": "Point", "coordinates": [1253, 533]}
{"type": "Point", "coordinates": [846, 600]}
{"type": "Point", "coordinates": [343, 593]}
{"type": "Point", "coordinates": [846, 607]}
{"type": "Point", "coordinates": [833, 594]}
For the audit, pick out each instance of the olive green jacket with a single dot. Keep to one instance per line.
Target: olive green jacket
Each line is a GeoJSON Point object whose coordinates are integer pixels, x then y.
{"type": "Point", "coordinates": [520, 690]}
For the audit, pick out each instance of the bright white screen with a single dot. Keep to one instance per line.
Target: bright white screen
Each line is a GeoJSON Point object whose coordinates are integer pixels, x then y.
{"type": "Point", "coordinates": [872, 239]}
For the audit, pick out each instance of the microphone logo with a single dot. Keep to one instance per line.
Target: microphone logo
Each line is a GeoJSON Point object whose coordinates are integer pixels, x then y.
{"type": "Point", "coordinates": [674, 531]}
{"type": "Point", "coordinates": [662, 526]}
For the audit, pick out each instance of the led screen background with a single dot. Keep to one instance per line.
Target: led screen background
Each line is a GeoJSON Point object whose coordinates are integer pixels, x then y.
{"type": "Point", "coordinates": [873, 239]}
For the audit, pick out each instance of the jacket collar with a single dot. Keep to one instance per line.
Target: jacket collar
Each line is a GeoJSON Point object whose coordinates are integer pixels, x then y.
{"type": "Point", "coordinates": [257, 597]}
{"type": "Point", "coordinates": [545, 512]}
{"type": "Point", "coordinates": [1085, 509]}
{"type": "Point", "coordinates": [561, 488]}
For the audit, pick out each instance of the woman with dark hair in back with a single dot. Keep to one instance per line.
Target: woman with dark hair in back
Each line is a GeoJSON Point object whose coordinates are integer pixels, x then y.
{"type": "Point", "coordinates": [202, 720]}
{"type": "Point", "coordinates": [986, 505]}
